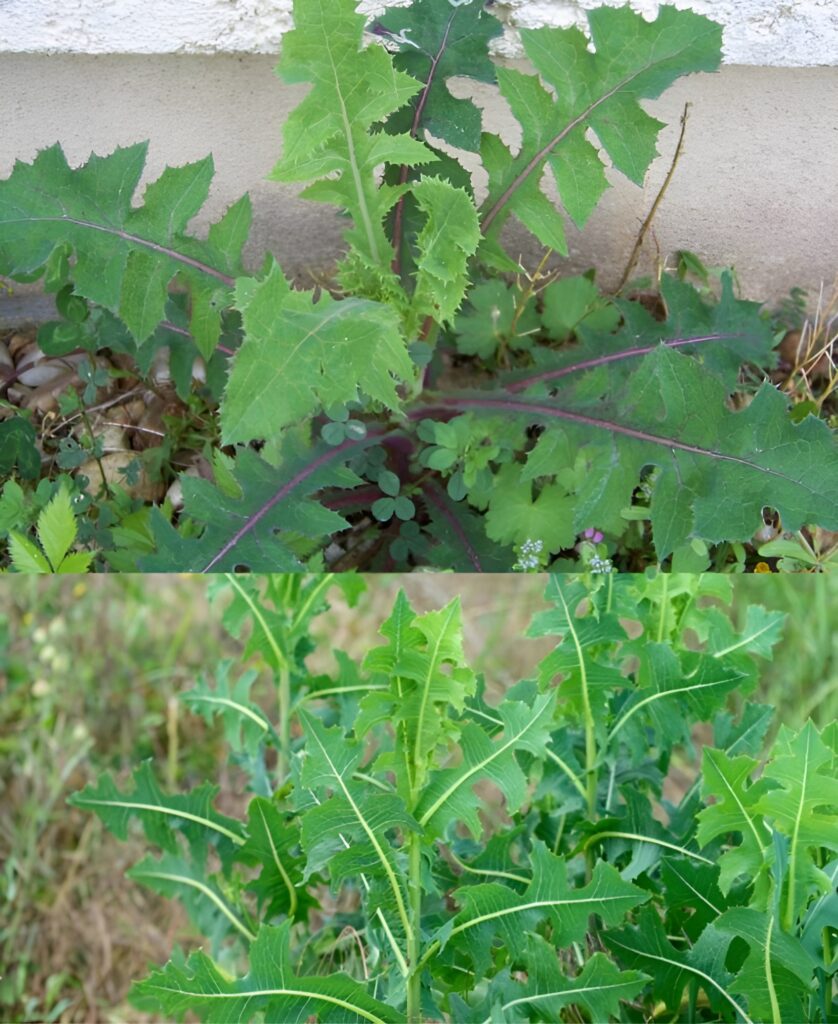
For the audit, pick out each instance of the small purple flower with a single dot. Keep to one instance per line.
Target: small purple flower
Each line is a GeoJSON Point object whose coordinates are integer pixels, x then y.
{"type": "Point", "coordinates": [593, 535]}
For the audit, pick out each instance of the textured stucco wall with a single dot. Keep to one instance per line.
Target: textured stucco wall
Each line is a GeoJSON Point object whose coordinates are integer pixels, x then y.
{"type": "Point", "coordinates": [755, 187]}
{"type": "Point", "coordinates": [782, 33]}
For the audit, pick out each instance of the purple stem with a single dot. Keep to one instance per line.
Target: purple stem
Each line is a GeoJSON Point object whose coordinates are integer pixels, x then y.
{"type": "Point", "coordinates": [136, 240]}
{"type": "Point", "coordinates": [398, 216]}
{"type": "Point", "coordinates": [283, 493]}
{"type": "Point", "coordinates": [613, 357]}
{"type": "Point", "coordinates": [434, 496]}
{"type": "Point", "coordinates": [456, 403]}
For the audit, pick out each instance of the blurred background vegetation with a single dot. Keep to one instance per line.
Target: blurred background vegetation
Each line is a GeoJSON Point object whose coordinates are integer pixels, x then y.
{"type": "Point", "coordinates": [89, 670]}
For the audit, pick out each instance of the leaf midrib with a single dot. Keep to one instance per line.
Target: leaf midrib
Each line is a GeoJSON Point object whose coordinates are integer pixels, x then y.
{"type": "Point", "coordinates": [463, 779]}
{"type": "Point", "coordinates": [545, 151]}
{"type": "Point", "coordinates": [140, 242]}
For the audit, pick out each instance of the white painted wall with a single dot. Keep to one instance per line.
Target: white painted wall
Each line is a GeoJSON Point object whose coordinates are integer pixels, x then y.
{"type": "Point", "coordinates": [768, 33]}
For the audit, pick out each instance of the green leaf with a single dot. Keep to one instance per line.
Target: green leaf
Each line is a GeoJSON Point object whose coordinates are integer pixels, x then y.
{"type": "Point", "coordinates": [206, 905]}
{"type": "Point", "coordinates": [517, 514]}
{"type": "Point", "coordinates": [313, 354]}
{"type": "Point", "coordinates": [450, 236]}
{"type": "Point", "coordinates": [57, 528]}
{"type": "Point", "coordinates": [598, 988]}
{"type": "Point", "coordinates": [272, 844]}
{"type": "Point", "coordinates": [717, 469]}
{"type": "Point", "coordinates": [17, 444]}
{"type": "Point", "coordinates": [348, 831]}
{"type": "Point", "coordinates": [449, 798]}
{"type": "Point", "coordinates": [599, 91]}
{"type": "Point", "coordinates": [25, 554]}
{"type": "Point", "coordinates": [12, 505]}
{"type": "Point", "coordinates": [164, 817]}
{"type": "Point", "coordinates": [586, 678]}
{"type": "Point", "coordinates": [245, 724]}
{"type": "Point", "coordinates": [125, 256]}
{"type": "Point", "coordinates": [425, 665]}
{"type": "Point", "coordinates": [493, 911]}
{"type": "Point", "coordinates": [246, 530]}
{"type": "Point", "coordinates": [271, 988]}
{"type": "Point", "coordinates": [328, 137]}
{"type": "Point", "coordinates": [672, 692]}
{"type": "Point", "coordinates": [776, 975]}
{"type": "Point", "coordinates": [803, 806]}
{"type": "Point", "coordinates": [492, 319]}
{"type": "Point", "coordinates": [437, 42]}
{"type": "Point", "coordinates": [647, 948]}
{"type": "Point", "coordinates": [573, 302]}
{"type": "Point", "coordinates": [734, 810]}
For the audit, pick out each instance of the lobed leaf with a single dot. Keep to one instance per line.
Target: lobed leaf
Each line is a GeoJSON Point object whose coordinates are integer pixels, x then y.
{"type": "Point", "coordinates": [163, 817]}
{"type": "Point", "coordinates": [245, 724]}
{"type": "Point", "coordinates": [242, 526]}
{"type": "Point", "coordinates": [599, 91]}
{"type": "Point", "coordinates": [493, 911]}
{"type": "Point", "coordinates": [315, 354]}
{"type": "Point", "coordinates": [126, 256]}
{"type": "Point", "coordinates": [448, 798]}
{"type": "Point", "coordinates": [270, 990]}
{"type": "Point", "coordinates": [328, 137]}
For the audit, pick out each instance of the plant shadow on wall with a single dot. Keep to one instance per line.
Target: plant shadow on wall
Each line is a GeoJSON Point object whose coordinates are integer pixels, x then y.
{"type": "Point", "coordinates": [413, 851]}
{"type": "Point", "coordinates": [439, 403]}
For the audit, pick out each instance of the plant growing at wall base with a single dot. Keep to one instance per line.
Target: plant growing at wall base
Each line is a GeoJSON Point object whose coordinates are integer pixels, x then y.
{"type": "Point", "coordinates": [413, 850]}
{"type": "Point", "coordinates": [593, 411]}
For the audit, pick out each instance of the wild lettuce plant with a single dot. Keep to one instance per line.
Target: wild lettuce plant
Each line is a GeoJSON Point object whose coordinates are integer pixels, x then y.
{"type": "Point", "coordinates": [334, 407]}
{"type": "Point", "coordinates": [420, 844]}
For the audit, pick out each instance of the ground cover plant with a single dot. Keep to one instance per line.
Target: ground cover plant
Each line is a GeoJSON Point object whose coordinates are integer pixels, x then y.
{"type": "Point", "coordinates": [437, 403]}
{"type": "Point", "coordinates": [416, 843]}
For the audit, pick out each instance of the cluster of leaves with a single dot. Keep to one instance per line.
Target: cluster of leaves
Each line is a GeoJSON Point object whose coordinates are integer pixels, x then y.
{"type": "Point", "coordinates": [413, 850]}
{"type": "Point", "coordinates": [597, 414]}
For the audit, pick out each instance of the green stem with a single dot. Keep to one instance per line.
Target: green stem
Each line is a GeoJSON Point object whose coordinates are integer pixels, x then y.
{"type": "Point", "coordinates": [414, 938]}
{"type": "Point", "coordinates": [284, 695]}
{"type": "Point", "coordinates": [662, 617]}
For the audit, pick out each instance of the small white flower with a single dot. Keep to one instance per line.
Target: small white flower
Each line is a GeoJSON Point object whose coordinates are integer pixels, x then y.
{"type": "Point", "coordinates": [600, 566]}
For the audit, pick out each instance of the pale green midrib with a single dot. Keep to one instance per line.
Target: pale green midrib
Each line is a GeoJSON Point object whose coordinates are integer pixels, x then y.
{"type": "Point", "coordinates": [463, 779]}
{"type": "Point", "coordinates": [534, 905]}
{"type": "Point", "coordinates": [488, 871]}
{"type": "Point", "coordinates": [316, 591]}
{"type": "Point", "coordinates": [769, 977]}
{"type": "Point", "coordinates": [353, 160]}
{"type": "Point", "coordinates": [257, 614]}
{"type": "Point", "coordinates": [137, 240]}
{"type": "Point", "coordinates": [383, 920]}
{"type": "Point", "coordinates": [794, 837]}
{"type": "Point", "coordinates": [159, 809]}
{"type": "Point", "coordinates": [742, 809]}
{"type": "Point", "coordinates": [697, 892]}
{"type": "Point", "coordinates": [202, 888]}
{"type": "Point", "coordinates": [653, 841]}
{"type": "Point", "coordinates": [693, 970]}
{"type": "Point", "coordinates": [567, 993]}
{"type": "Point", "coordinates": [565, 767]}
{"type": "Point", "coordinates": [332, 690]}
{"type": "Point", "coordinates": [590, 738]}
{"type": "Point", "coordinates": [286, 878]}
{"type": "Point", "coordinates": [420, 724]}
{"type": "Point", "coordinates": [388, 869]}
{"type": "Point", "coordinates": [293, 992]}
{"type": "Point", "coordinates": [201, 698]}
{"type": "Point", "coordinates": [744, 640]}
{"type": "Point", "coordinates": [551, 754]}
{"type": "Point", "coordinates": [668, 693]}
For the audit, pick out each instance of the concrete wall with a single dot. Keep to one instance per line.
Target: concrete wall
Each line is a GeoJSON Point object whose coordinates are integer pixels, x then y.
{"type": "Point", "coordinates": [756, 185]}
